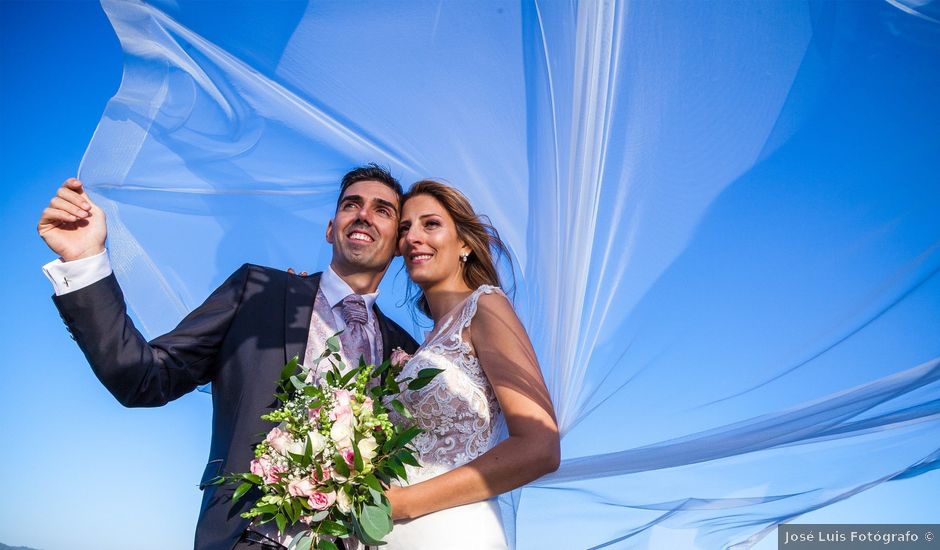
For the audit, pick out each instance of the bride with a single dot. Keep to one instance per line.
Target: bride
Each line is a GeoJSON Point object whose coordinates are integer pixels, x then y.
{"type": "Point", "coordinates": [490, 374]}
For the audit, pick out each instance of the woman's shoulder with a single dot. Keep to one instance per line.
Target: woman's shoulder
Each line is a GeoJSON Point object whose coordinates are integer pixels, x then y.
{"type": "Point", "coordinates": [488, 301]}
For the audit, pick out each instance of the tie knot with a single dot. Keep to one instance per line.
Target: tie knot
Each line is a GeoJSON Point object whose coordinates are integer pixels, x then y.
{"type": "Point", "coordinates": [354, 309]}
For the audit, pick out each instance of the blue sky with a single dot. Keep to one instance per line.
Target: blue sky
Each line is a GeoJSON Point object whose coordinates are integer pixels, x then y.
{"type": "Point", "coordinates": [82, 471]}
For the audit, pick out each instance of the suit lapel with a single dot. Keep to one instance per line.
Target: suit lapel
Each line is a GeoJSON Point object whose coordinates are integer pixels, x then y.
{"type": "Point", "coordinates": [298, 308]}
{"type": "Point", "coordinates": [387, 344]}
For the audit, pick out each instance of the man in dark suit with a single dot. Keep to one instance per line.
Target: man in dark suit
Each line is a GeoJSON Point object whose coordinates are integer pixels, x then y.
{"type": "Point", "coordinates": [238, 339]}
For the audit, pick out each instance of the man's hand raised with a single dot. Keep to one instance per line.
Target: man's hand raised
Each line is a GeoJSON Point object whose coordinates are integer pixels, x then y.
{"type": "Point", "coordinates": [73, 226]}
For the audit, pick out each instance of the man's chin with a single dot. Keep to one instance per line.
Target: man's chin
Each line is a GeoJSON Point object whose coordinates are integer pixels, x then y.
{"type": "Point", "coordinates": [366, 263]}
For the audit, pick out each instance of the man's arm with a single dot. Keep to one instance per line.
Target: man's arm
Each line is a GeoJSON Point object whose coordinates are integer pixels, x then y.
{"type": "Point", "coordinates": [92, 305]}
{"type": "Point", "coordinates": [142, 374]}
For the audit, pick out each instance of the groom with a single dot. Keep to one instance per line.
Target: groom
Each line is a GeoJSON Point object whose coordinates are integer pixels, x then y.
{"type": "Point", "coordinates": [239, 339]}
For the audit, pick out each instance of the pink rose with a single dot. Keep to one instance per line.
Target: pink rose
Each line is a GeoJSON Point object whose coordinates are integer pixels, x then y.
{"type": "Point", "coordinates": [265, 468]}
{"type": "Point", "coordinates": [399, 356]}
{"type": "Point", "coordinates": [321, 501]}
{"type": "Point", "coordinates": [348, 456]}
{"type": "Point", "coordinates": [314, 415]}
{"type": "Point", "coordinates": [279, 440]}
{"type": "Point", "coordinates": [322, 479]}
{"type": "Point", "coordinates": [301, 488]}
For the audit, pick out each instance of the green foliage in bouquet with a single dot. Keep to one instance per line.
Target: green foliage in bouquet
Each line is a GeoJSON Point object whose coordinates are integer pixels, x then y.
{"type": "Point", "coordinates": [335, 449]}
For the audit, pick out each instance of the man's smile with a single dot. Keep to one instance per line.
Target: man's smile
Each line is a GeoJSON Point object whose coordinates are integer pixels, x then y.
{"type": "Point", "coordinates": [360, 236]}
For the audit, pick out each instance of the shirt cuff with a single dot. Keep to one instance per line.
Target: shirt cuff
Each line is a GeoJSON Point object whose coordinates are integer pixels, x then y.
{"type": "Point", "coordinates": [75, 275]}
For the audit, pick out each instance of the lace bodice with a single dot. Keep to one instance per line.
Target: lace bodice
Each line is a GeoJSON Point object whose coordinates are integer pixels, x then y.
{"type": "Point", "coordinates": [458, 410]}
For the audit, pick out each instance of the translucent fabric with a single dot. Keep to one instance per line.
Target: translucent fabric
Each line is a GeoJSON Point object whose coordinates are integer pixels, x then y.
{"type": "Point", "coordinates": [723, 217]}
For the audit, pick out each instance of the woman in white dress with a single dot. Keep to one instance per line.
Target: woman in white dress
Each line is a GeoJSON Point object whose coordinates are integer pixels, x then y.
{"type": "Point", "coordinates": [490, 375]}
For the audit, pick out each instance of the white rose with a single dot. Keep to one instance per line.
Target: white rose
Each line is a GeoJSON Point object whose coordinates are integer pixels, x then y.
{"type": "Point", "coordinates": [296, 447]}
{"type": "Point", "coordinates": [343, 502]}
{"type": "Point", "coordinates": [367, 447]}
{"type": "Point", "coordinates": [342, 432]}
{"type": "Point", "coordinates": [317, 442]}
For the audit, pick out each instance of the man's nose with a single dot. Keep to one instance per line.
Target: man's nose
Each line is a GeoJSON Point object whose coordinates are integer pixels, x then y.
{"type": "Point", "coordinates": [364, 216]}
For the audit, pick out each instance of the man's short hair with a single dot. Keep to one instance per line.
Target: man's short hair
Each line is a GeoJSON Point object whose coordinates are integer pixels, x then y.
{"type": "Point", "coordinates": [369, 172]}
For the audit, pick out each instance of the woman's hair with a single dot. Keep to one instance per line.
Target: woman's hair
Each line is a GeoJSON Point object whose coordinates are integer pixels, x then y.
{"type": "Point", "coordinates": [486, 248]}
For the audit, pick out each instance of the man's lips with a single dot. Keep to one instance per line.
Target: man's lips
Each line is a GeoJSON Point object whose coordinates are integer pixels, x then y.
{"type": "Point", "coordinates": [360, 236]}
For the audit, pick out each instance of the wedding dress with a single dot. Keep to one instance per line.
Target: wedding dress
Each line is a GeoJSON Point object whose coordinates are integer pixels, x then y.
{"type": "Point", "coordinates": [461, 417]}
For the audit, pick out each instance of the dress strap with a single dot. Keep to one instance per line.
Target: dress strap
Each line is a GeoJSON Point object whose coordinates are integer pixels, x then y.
{"type": "Point", "coordinates": [470, 307]}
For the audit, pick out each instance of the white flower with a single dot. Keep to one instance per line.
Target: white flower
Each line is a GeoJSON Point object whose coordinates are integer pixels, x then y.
{"type": "Point", "coordinates": [342, 432]}
{"type": "Point", "coordinates": [296, 447]}
{"type": "Point", "coordinates": [317, 442]}
{"type": "Point", "coordinates": [367, 447]}
{"type": "Point", "coordinates": [343, 502]}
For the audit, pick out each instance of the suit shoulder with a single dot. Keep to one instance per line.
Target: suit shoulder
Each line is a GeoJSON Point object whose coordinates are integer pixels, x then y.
{"type": "Point", "coordinates": [263, 273]}
{"type": "Point", "coordinates": [272, 271]}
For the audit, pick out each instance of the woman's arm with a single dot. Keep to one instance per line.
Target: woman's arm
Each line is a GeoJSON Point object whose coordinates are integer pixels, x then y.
{"type": "Point", "coordinates": [532, 448]}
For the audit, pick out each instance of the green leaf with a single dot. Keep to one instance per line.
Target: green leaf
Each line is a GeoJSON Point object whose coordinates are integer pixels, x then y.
{"type": "Point", "coordinates": [397, 467]}
{"type": "Point", "coordinates": [428, 373]}
{"type": "Point", "coordinates": [407, 458]}
{"type": "Point", "coordinates": [281, 522]}
{"type": "Point", "coordinates": [349, 376]}
{"type": "Point", "coordinates": [252, 478]}
{"type": "Point", "coordinates": [288, 510]}
{"type": "Point", "coordinates": [418, 383]}
{"type": "Point", "coordinates": [302, 542]}
{"type": "Point", "coordinates": [360, 534]}
{"type": "Point", "coordinates": [268, 508]}
{"type": "Point", "coordinates": [375, 522]}
{"type": "Point", "coordinates": [383, 476]}
{"type": "Point", "coordinates": [332, 343]}
{"type": "Point", "coordinates": [382, 368]}
{"type": "Point", "coordinates": [405, 437]}
{"type": "Point", "coordinates": [357, 458]}
{"type": "Point", "coordinates": [372, 482]}
{"type": "Point", "coordinates": [326, 544]}
{"type": "Point", "coordinates": [217, 480]}
{"type": "Point", "coordinates": [290, 368]}
{"type": "Point", "coordinates": [378, 499]}
{"type": "Point", "coordinates": [340, 465]}
{"type": "Point", "coordinates": [241, 490]}
{"type": "Point", "coordinates": [298, 383]}
{"type": "Point", "coordinates": [320, 516]}
{"type": "Point", "coordinates": [400, 408]}
{"type": "Point", "coordinates": [333, 528]}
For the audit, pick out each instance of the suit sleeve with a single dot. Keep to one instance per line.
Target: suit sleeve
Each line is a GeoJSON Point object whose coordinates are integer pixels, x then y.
{"type": "Point", "coordinates": [142, 374]}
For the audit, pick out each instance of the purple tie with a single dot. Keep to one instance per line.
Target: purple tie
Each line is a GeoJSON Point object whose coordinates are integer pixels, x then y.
{"type": "Point", "coordinates": [354, 339]}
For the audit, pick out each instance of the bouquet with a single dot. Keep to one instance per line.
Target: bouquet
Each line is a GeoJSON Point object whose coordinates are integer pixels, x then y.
{"type": "Point", "coordinates": [326, 463]}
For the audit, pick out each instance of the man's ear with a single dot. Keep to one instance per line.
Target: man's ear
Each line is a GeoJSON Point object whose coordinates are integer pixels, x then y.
{"type": "Point", "coordinates": [329, 232]}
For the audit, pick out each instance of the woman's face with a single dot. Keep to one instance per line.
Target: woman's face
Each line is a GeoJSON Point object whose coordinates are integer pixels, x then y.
{"type": "Point", "coordinates": [429, 244]}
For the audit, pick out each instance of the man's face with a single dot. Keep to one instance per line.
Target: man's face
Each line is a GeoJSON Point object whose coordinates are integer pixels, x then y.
{"type": "Point", "coordinates": [364, 230]}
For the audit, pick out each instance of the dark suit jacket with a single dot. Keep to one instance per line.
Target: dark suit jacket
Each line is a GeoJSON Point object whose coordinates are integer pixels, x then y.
{"type": "Point", "coordinates": [239, 339]}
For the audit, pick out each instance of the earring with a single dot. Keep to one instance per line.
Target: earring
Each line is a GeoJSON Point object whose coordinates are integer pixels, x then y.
{"type": "Point", "coordinates": [464, 256]}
